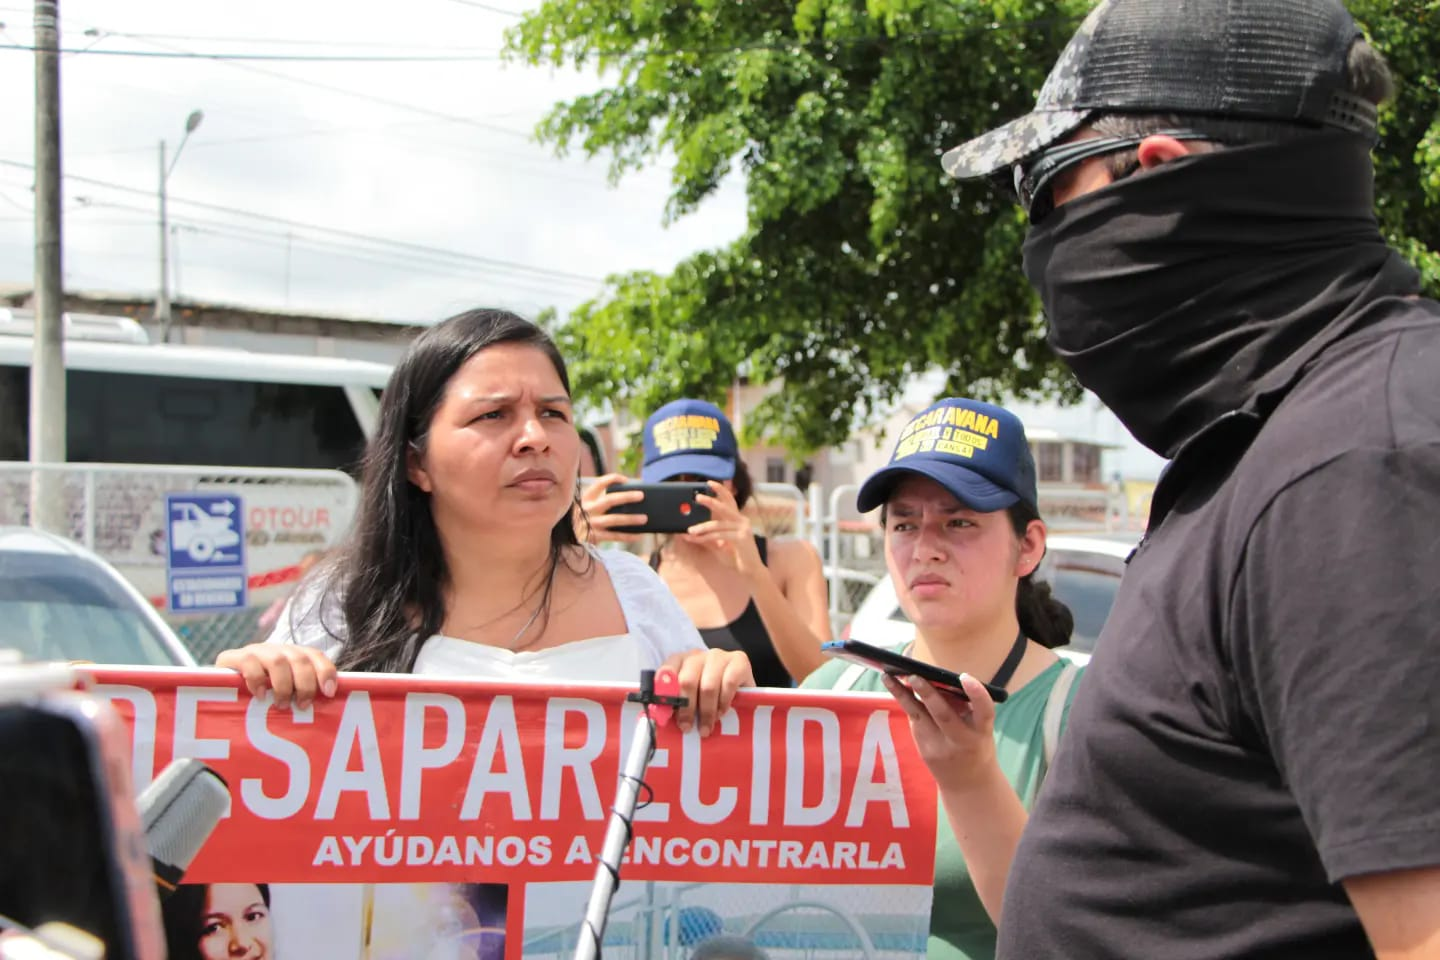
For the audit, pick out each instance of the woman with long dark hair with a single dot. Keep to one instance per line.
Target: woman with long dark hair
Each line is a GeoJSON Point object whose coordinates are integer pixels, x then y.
{"type": "Point", "coordinates": [463, 561]}
{"type": "Point", "coordinates": [963, 538]}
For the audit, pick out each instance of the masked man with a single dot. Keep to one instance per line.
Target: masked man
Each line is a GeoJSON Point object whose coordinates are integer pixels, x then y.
{"type": "Point", "coordinates": [1253, 763]}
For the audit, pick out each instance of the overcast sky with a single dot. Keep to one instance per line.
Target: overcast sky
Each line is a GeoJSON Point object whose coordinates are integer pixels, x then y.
{"type": "Point", "coordinates": [350, 162]}
{"type": "Point", "coordinates": [436, 154]}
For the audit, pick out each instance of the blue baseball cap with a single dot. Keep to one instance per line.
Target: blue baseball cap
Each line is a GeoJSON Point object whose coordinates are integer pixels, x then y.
{"type": "Point", "coordinates": [688, 436]}
{"type": "Point", "coordinates": [977, 451]}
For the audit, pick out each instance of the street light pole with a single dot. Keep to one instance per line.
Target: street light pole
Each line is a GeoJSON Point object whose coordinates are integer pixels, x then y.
{"type": "Point", "coordinates": [162, 299]}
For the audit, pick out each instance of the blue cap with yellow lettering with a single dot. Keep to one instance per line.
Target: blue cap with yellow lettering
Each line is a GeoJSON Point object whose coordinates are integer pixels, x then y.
{"type": "Point", "coordinates": [688, 437]}
{"type": "Point", "coordinates": [977, 451]}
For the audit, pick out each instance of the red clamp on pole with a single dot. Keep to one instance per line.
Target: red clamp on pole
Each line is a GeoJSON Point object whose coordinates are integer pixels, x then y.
{"type": "Point", "coordinates": [663, 696]}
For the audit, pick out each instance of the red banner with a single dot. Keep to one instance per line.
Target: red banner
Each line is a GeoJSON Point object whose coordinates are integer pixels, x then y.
{"type": "Point", "coordinates": [410, 780]}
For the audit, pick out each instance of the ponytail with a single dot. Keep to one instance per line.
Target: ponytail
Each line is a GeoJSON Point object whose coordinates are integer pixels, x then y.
{"type": "Point", "coordinates": [1042, 617]}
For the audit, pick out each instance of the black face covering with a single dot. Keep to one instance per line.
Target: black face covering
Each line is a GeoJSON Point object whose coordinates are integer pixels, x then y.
{"type": "Point", "coordinates": [1204, 286]}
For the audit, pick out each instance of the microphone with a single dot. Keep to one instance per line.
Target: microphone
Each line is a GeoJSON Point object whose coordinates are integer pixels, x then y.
{"type": "Point", "coordinates": [178, 812]}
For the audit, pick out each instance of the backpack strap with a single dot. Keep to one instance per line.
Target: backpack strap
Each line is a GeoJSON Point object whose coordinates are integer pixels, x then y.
{"type": "Point", "coordinates": [1055, 711]}
{"type": "Point", "coordinates": [850, 676]}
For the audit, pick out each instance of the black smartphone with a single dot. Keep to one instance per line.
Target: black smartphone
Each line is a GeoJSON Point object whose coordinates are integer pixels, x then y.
{"type": "Point", "coordinates": [899, 665]}
{"type": "Point", "coordinates": [73, 851]}
{"type": "Point", "coordinates": [668, 507]}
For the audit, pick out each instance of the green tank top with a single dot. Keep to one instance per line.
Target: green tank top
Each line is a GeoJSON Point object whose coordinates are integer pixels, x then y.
{"type": "Point", "coordinates": [960, 929]}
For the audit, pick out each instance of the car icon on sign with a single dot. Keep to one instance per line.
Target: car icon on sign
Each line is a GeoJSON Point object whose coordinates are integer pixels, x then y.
{"type": "Point", "coordinates": [199, 533]}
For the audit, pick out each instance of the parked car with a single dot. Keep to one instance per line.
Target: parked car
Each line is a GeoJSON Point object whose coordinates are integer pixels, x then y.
{"type": "Point", "coordinates": [1084, 573]}
{"type": "Point", "coordinates": [59, 601]}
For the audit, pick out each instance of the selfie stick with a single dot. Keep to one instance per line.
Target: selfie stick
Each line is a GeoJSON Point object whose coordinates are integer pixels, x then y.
{"type": "Point", "coordinates": [658, 707]}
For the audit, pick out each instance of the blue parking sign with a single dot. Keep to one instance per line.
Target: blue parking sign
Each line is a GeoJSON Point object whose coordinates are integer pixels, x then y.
{"type": "Point", "coordinates": [205, 551]}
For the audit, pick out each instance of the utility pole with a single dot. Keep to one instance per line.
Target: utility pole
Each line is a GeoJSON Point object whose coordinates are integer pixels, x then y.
{"type": "Point", "coordinates": [47, 367]}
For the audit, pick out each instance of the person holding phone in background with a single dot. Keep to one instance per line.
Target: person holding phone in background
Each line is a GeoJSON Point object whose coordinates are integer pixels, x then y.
{"type": "Point", "coordinates": [463, 562]}
{"type": "Point", "coordinates": [744, 592]}
{"type": "Point", "coordinates": [963, 538]}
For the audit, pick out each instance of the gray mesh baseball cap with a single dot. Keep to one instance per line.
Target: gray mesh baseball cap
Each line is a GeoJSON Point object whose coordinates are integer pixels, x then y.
{"type": "Point", "coordinates": [1276, 60]}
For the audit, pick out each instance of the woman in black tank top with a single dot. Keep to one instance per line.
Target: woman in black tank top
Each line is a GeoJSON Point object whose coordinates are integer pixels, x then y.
{"type": "Point", "coordinates": [747, 634]}
{"type": "Point", "coordinates": [742, 592]}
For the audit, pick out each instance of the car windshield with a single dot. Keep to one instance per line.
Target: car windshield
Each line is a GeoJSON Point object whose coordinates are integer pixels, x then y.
{"type": "Point", "coordinates": [64, 608]}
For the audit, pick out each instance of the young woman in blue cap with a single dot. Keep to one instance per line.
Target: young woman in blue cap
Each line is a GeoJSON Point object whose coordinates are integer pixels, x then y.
{"type": "Point", "coordinates": [963, 538]}
{"type": "Point", "coordinates": [767, 599]}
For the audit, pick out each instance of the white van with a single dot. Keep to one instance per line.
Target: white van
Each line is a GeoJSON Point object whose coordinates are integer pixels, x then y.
{"type": "Point", "coordinates": [132, 401]}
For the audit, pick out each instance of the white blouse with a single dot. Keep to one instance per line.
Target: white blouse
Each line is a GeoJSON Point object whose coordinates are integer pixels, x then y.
{"type": "Point", "coordinates": [655, 628]}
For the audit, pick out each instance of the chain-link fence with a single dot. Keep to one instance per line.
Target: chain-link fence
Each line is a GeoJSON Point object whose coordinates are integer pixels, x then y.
{"type": "Point", "coordinates": [207, 635]}
{"type": "Point", "coordinates": [667, 921]}
{"type": "Point", "coordinates": [119, 512]}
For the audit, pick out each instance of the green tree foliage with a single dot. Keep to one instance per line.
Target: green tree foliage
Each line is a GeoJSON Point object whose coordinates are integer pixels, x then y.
{"type": "Point", "coordinates": [861, 264]}
{"type": "Point", "coordinates": [1407, 164]}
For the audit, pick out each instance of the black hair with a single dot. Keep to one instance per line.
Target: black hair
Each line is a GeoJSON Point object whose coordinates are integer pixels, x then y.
{"type": "Point", "coordinates": [1043, 618]}
{"type": "Point", "coordinates": [183, 914]}
{"type": "Point", "coordinates": [1366, 76]}
{"type": "Point", "coordinates": [744, 486]}
{"type": "Point", "coordinates": [592, 443]}
{"type": "Point", "coordinates": [392, 574]}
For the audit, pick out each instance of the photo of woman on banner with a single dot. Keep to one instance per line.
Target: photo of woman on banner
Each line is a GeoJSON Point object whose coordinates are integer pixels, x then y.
{"type": "Point", "coordinates": [463, 562]}
{"type": "Point", "coordinates": [963, 537]}
{"type": "Point", "coordinates": [743, 591]}
{"type": "Point", "coordinates": [219, 921]}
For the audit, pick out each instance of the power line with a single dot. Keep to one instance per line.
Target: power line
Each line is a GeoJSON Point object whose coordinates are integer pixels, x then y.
{"type": "Point", "coordinates": [492, 57]}
{"type": "Point", "coordinates": [355, 251]}
{"type": "Point", "coordinates": [435, 268]}
{"type": "Point", "coordinates": [519, 164]}
{"type": "Point", "coordinates": [789, 44]}
{"type": "Point", "coordinates": [539, 272]}
{"type": "Point", "coordinates": [232, 61]}
{"type": "Point", "coordinates": [292, 42]}
{"type": "Point", "coordinates": [486, 6]}
{"type": "Point", "coordinates": [15, 203]}
{"type": "Point", "coordinates": [257, 138]}
{"type": "Point", "coordinates": [371, 98]}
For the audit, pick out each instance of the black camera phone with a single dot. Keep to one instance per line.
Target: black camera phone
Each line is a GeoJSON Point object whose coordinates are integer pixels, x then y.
{"type": "Point", "coordinates": [899, 665]}
{"type": "Point", "coordinates": [668, 507]}
{"type": "Point", "coordinates": [73, 850]}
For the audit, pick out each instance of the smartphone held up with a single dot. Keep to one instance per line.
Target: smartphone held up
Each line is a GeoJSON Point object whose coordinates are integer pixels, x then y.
{"type": "Point", "coordinates": [670, 507]}
{"type": "Point", "coordinates": [900, 666]}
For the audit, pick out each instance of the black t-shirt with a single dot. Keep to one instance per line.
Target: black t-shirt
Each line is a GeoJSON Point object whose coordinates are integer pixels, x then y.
{"type": "Point", "coordinates": [1262, 719]}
